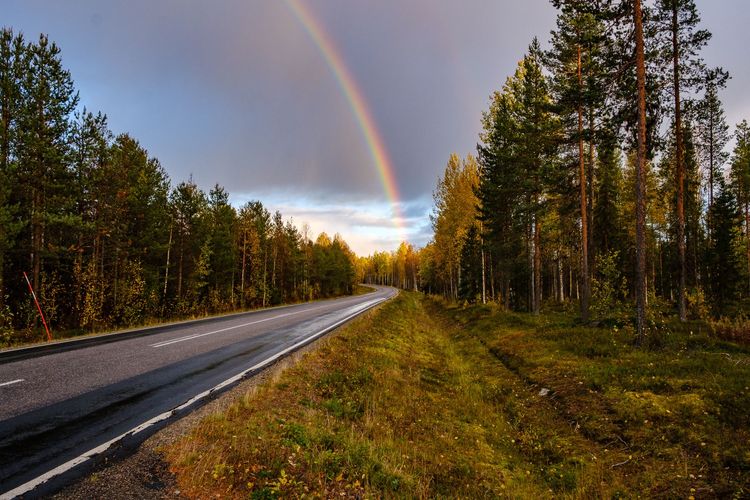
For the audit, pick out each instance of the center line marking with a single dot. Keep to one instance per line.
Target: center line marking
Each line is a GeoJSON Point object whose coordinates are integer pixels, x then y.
{"type": "Point", "coordinates": [198, 335]}
{"type": "Point", "coordinates": [60, 469]}
{"type": "Point", "coordinates": [12, 382]}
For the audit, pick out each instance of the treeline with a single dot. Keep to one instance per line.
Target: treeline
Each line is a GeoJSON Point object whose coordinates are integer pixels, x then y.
{"type": "Point", "coordinates": [104, 237]}
{"type": "Point", "coordinates": [601, 176]}
{"type": "Point", "coordinates": [399, 268]}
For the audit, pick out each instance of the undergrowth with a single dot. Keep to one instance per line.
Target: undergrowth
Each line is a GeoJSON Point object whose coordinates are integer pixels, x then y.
{"type": "Point", "coordinates": [420, 399]}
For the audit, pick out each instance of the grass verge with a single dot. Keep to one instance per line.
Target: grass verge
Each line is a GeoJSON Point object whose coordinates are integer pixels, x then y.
{"type": "Point", "coordinates": [420, 399]}
{"type": "Point", "coordinates": [403, 402]}
{"type": "Point", "coordinates": [679, 408]}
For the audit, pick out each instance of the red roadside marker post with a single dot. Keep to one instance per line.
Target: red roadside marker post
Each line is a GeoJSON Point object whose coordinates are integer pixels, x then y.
{"type": "Point", "coordinates": [39, 308]}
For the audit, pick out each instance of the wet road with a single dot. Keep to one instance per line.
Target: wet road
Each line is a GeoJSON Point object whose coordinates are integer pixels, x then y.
{"type": "Point", "coordinates": [60, 411]}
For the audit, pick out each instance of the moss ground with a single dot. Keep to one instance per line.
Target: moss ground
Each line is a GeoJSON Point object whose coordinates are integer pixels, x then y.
{"type": "Point", "coordinates": [420, 399]}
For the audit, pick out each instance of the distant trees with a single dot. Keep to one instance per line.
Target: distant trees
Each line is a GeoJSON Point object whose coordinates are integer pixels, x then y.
{"type": "Point", "coordinates": [401, 268]}
{"type": "Point", "coordinates": [106, 239]}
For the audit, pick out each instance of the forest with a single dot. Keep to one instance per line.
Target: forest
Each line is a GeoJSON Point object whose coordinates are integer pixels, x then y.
{"type": "Point", "coordinates": [105, 237]}
{"type": "Point", "coordinates": [606, 179]}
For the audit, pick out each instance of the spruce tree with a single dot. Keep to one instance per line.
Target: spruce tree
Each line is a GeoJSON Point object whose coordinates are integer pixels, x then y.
{"type": "Point", "coordinates": [712, 133]}
{"type": "Point", "coordinates": [13, 64]}
{"type": "Point", "coordinates": [740, 177]}
{"type": "Point", "coordinates": [723, 259]}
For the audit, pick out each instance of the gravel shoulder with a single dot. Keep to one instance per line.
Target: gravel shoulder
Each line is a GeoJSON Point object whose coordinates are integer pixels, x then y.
{"type": "Point", "coordinates": [144, 474]}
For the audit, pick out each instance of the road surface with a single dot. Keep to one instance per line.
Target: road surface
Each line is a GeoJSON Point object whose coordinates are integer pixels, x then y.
{"type": "Point", "coordinates": [61, 411]}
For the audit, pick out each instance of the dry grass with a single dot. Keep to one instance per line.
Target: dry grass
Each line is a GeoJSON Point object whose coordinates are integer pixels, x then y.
{"type": "Point", "coordinates": [403, 403]}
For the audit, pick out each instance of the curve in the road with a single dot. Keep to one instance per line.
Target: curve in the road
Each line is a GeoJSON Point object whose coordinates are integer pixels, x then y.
{"type": "Point", "coordinates": [47, 438]}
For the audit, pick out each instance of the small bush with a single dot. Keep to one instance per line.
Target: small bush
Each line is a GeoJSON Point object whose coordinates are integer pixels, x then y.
{"type": "Point", "coordinates": [697, 307]}
{"type": "Point", "coordinates": [609, 288]}
{"type": "Point", "coordinates": [6, 325]}
{"type": "Point", "coordinates": [732, 329]}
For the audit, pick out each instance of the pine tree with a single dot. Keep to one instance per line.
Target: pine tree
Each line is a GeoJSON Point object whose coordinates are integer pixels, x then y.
{"type": "Point", "coordinates": [640, 182]}
{"type": "Point", "coordinates": [48, 100]}
{"type": "Point", "coordinates": [13, 64]}
{"type": "Point", "coordinates": [740, 176]}
{"type": "Point", "coordinates": [518, 161]}
{"type": "Point", "coordinates": [221, 225]}
{"type": "Point", "coordinates": [608, 219]}
{"type": "Point", "coordinates": [471, 270]}
{"type": "Point", "coordinates": [188, 205]}
{"type": "Point", "coordinates": [579, 80]}
{"type": "Point", "coordinates": [683, 41]}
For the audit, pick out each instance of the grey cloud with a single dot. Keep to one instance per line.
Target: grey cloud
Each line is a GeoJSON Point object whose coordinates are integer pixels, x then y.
{"type": "Point", "coordinates": [235, 92]}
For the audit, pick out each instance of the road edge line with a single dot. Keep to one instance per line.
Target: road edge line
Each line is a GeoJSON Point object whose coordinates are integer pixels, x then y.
{"type": "Point", "coordinates": [29, 486]}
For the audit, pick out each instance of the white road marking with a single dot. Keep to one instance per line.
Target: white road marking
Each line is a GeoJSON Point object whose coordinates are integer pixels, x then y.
{"type": "Point", "coordinates": [60, 469]}
{"type": "Point", "coordinates": [198, 335]}
{"type": "Point", "coordinates": [12, 382]}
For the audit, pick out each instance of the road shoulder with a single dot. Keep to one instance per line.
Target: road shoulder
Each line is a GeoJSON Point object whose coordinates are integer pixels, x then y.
{"type": "Point", "coordinates": [144, 473]}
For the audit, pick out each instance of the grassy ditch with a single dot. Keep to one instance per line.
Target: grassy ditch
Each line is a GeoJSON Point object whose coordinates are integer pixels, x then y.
{"type": "Point", "coordinates": [404, 402]}
{"type": "Point", "coordinates": [679, 408]}
{"type": "Point", "coordinates": [419, 399]}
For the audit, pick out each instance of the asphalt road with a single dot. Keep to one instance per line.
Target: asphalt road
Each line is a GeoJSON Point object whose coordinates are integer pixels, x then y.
{"type": "Point", "coordinates": [60, 412]}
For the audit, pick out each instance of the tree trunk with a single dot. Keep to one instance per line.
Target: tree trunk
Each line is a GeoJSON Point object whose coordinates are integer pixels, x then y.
{"type": "Point", "coordinates": [591, 201]}
{"type": "Point", "coordinates": [531, 297]}
{"type": "Point", "coordinates": [585, 283]}
{"type": "Point", "coordinates": [537, 266]}
{"type": "Point", "coordinates": [242, 273]}
{"type": "Point", "coordinates": [179, 270]}
{"type": "Point", "coordinates": [484, 279]}
{"type": "Point", "coordinates": [640, 179]}
{"type": "Point", "coordinates": [492, 280]}
{"type": "Point", "coordinates": [710, 162]}
{"type": "Point", "coordinates": [680, 164]}
{"type": "Point", "coordinates": [166, 268]}
{"type": "Point", "coordinates": [265, 272]}
{"type": "Point", "coordinates": [591, 181]}
{"type": "Point", "coordinates": [36, 239]}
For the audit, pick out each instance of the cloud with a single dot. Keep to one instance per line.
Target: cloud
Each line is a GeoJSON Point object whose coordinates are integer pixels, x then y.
{"type": "Point", "coordinates": [367, 225]}
{"type": "Point", "coordinates": [237, 93]}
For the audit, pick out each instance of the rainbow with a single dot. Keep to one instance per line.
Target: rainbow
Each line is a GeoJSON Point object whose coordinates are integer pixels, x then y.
{"type": "Point", "coordinates": [357, 103]}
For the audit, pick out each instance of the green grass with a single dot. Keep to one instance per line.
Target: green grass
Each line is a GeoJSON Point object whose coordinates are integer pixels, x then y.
{"type": "Point", "coordinates": [362, 289]}
{"type": "Point", "coordinates": [420, 399]}
{"type": "Point", "coordinates": [680, 407]}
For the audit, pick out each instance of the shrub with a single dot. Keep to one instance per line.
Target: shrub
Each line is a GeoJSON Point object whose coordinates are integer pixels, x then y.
{"type": "Point", "coordinates": [732, 329]}
{"type": "Point", "coordinates": [696, 304]}
{"type": "Point", "coordinates": [609, 287]}
{"type": "Point", "coordinates": [6, 325]}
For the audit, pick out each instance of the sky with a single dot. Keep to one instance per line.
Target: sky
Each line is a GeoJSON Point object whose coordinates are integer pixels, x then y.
{"type": "Point", "coordinates": [236, 92]}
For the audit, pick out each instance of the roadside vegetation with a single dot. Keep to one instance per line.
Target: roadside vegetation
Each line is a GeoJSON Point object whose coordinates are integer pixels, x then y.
{"type": "Point", "coordinates": [15, 339]}
{"type": "Point", "coordinates": [108, 240]}
{"type": "Point", "coordinates": [422, 399]}
{"type": "Point", "coordinates": [606, 175]}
